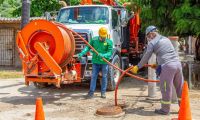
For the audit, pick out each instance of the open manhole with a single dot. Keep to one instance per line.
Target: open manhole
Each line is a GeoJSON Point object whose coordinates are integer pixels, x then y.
{"type": "Point", "coordinates": [110, 111]}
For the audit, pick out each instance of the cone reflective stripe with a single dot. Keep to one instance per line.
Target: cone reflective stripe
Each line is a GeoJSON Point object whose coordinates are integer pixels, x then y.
{"type": "Point", "coordinates": [185, 112]}
{"type": "Point", "coordinates": [39, 113]}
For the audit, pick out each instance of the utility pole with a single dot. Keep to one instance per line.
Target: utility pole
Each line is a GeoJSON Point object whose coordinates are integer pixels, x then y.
{"type": "Point", "coordinates": [152, 76]}
{"type": "Point", "coordinates": [190, 45]}
{"type": "Point", "coordinates": [25, 12]}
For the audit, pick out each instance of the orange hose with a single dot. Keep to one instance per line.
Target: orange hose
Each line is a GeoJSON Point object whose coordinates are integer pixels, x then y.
{"type": "Point", "coordinates": [119, 80]}
{"type": "Point", "coordinates": [131, 75]}
{"type": "Point", "coordinates": [123, 72]}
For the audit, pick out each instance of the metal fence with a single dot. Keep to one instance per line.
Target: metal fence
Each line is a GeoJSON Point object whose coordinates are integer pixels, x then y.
{"type": "Point", "coordinates": [7, 46]}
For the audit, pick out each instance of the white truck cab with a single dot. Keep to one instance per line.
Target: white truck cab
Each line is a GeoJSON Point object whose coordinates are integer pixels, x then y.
{"type": "Point", "coordinates": [86, 20]}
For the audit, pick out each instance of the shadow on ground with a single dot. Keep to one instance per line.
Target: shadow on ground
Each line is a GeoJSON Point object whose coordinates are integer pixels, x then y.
{"type": "Point", "coordinates": [52, 95]}
{"type": "Point", "coordinates": [27, 95]}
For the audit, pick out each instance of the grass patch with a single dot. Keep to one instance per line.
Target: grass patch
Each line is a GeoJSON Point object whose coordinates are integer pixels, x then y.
{"type": "Point", "coordinates": [6, 74]}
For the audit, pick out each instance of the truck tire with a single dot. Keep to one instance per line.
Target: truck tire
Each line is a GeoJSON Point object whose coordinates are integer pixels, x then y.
{"type": "Point", "coordinates": [113, 74]}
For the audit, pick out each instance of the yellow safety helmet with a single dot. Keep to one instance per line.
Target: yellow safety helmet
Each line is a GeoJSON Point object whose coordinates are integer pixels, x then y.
{"type": "Point", "coordinates": [103, 32]}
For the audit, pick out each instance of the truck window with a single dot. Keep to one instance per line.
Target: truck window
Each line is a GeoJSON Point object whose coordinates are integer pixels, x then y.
{"type": "Point", "coordinates": [84, 15]}
{"type": "Point", "coordinates": [114, 19]}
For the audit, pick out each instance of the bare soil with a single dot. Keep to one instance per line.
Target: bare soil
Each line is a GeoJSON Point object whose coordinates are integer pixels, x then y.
{"type": "Point", "coordinates": [17, 102]}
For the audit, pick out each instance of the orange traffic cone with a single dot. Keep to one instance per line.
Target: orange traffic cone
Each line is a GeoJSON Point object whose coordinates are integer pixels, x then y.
{"type": "Point", "coordinates": [39, 113]}
{"type": "Point", "coordinates": [184, 111]}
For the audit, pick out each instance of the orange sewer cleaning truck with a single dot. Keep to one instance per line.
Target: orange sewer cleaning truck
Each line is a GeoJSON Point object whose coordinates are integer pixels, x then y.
{"type": "Point", "coordinates": [47, 49]}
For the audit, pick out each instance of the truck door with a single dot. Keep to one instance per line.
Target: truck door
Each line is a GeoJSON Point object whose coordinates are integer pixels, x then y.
{"type": "Point", "coordinates": [124, 29]}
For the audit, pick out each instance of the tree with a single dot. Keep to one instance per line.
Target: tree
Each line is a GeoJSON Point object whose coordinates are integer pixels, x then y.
{"type": "Point", "coordinates": [39, 7]}
{"type": "Point", "coordinates": [25, 12]}
{"type": "Point", "coordinates": [173, 17]}
{"type": "Point", "coordinates": [158, 13]}
{"type": "Point", "coordinates": [75, 2]}
{"type": "Point", "coordinates": [187, 18]}
{"type": "Point", "coordinates": [1, 2]}
{"type": "Point", "coordinates": [8, 6]}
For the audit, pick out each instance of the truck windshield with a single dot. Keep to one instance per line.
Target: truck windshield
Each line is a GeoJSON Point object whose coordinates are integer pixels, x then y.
{"type": "Point", "coordinates": [84, 15]}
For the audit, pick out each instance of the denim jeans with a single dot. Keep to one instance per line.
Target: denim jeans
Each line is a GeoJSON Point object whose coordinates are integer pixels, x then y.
{"type": "Point", "coordinates": [96, 68]}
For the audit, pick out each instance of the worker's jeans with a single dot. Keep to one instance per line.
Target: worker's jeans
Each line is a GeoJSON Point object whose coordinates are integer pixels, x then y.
{"type": "Point", "coordinates": [96, 68]}
{"type": "Point", "coordinates": [171, 75]}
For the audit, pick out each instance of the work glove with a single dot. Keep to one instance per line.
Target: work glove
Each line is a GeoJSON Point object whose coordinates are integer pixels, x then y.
{"type": "Point", "coordinates": [134, 69]}
{"type": "Point", "coordinates": [154, 66]}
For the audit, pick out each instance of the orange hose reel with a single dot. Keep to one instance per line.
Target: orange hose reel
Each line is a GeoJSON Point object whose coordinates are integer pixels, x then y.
{"type": "Point", "coordinates": [45, 45]}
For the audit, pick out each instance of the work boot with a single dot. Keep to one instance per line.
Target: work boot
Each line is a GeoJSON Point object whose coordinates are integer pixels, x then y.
{"type": "Point", "coordinates": [103, 95]}
{"type": "Point", "coordinates": [89, 96]}
{"type": "Point", "coordinates": [161, 112]}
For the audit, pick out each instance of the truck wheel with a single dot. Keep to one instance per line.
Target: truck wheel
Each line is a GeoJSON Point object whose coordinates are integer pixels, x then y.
{"type": "Point", "coordinates": [40, 85]}
{"type": "Point", "coordinates": [113, 74]}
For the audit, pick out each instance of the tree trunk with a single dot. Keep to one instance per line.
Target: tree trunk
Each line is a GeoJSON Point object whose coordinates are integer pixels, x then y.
{"type": "Point", "coordinates": [25, 12]}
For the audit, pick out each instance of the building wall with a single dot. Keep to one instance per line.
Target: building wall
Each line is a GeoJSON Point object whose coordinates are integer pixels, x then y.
{"type": "Point", "coordinates": [8, 46]}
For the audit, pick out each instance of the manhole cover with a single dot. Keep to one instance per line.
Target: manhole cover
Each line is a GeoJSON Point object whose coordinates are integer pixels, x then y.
{"type": "Point", "coordinates": [110, 111]}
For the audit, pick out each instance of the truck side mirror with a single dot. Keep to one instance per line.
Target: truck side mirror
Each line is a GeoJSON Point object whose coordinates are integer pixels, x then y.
{"type": "Point", "coordinates": [123, 21]}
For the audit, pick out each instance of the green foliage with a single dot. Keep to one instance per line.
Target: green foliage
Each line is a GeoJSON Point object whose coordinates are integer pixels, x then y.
{"type": "Point", "coordinates": [172, 17]}
{"type": "Point", "coordinates": [8, 6]}
{"type": "Point", "coordinates": [39, 7]}
{"type": "Point", "coordinates": [75, 2]}
{"type": "Point", "coordinates": [187, 18]}
{"type": "Point", "coordinates": [1, 2]}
